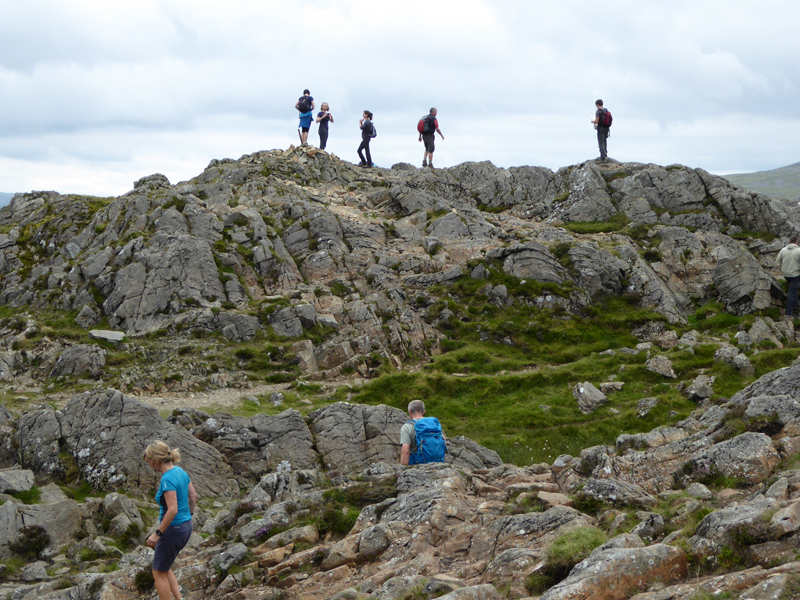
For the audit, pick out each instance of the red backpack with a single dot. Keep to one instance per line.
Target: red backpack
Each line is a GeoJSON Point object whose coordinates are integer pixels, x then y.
{"type": "Point", "coordinates": [426, 124]}
{"type": "Point", "coordinates": [605, 118]}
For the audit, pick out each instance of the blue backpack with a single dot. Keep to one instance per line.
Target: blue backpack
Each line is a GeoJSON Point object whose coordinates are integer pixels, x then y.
{"type": "Point", "coordinates": [430, 443]}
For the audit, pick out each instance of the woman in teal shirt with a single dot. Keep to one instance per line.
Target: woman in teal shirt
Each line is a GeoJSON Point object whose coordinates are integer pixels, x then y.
{"type": "Point", "coordinates": [177, 498]}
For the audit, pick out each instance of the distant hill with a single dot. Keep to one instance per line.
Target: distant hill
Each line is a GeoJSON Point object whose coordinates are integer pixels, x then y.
{"type": "Point", "coordinates": [777, 183]}
{"type": "Point", "coordinates": [5, 198]}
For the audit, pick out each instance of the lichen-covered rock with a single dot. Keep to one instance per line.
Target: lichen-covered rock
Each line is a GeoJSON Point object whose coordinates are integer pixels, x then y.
{"type": "Point", "coordinates": [105, 433]}
{"type": "Point", "coordinates": [617, 573]}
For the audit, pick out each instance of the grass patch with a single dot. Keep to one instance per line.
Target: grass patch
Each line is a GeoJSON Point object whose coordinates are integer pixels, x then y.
{"type": "Point", "coordinates": [616, 222]}
{"type": "Point", "coordinates": [563, 554]}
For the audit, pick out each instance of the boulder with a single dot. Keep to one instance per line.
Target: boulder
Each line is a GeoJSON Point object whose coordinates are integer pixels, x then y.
{"type": "Point", "coordinates": [749, 457]}
{"type": "Point", "coordinates": [662, 366]}
{"type": "Point", "coordinates": [83, 359]}
{"type": "Point", "coordinates": [617, 573]}
{"type": "Point", "coordinates": [589, 397]}
{"type": "Point", "coordinates": [13, 481]}
{"type": "Point", "coordinates": [105, 434]}
{"type": "Point", "coordinates": [255, 445]}
{"type": "Point", "coordinates": [616, 492]}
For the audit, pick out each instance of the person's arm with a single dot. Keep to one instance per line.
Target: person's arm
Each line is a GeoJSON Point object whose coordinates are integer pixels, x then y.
{"type": "Point", "coordinates": [171, 498]}
{"type": "Point", "coordinates": [779, 259]}
{"type": "Point", "coordinates": [313, 105]}
{"type": "Point", "coordinates": [330, 117]}
{"type": "Point", "coordinates": [297, 105]}
{"type": "Point", "coordinates": [405, 452]}
{"type": "Point", "coordinates": [318, 119]}
{"type": "Point", "coordinates": [439, 131]}
{"type": "Point", "coordinates": [192, 498]}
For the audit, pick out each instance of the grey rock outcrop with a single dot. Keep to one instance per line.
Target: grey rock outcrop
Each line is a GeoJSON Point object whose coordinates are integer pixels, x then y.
{"type": "Point", "coordinates": [105, 434]}
{"type": "Point", "coordinates": [79, 360]}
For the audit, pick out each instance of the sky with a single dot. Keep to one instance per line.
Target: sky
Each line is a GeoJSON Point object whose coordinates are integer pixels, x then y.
{"type": "Point", "coordinates": [95, 95]}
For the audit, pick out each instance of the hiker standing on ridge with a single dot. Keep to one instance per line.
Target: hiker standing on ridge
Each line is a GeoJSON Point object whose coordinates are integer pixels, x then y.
{"type": "Point", "coordinates": [305, 104]}
{"type": "Point", "coordinates": [428, 127]}
{"type": "Point", "coordinates": [788, 260]}
{"type": "Point", "coordinates": [421, 438]}
{"type": "Point", "coordinates": [602, 121]}
{"type": "Point", "coordinates": [323, 118]}
{"type": "Point", "coordinates": [367, 133]}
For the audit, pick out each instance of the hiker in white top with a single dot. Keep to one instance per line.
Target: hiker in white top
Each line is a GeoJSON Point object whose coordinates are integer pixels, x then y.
{"type": "Point", "coordinates": [788, 261]}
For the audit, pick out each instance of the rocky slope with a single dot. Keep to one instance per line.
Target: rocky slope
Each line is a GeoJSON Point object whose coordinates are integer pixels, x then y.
{"type": "Point", "coordinates": [297, 241]}
{"type": "Point", "coordinates": [298, 265]}
{"type": "Point", "coordinates": [319, 508]}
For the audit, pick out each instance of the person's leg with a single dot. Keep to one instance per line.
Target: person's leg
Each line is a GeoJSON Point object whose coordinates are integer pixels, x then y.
{"type": "Point", "coordinates": [163, 586]}
{"type": "Point", "coordinates": [791, 301]}
{"type": "Point", "coordinates": [360, 148]}
{"type": "Point", "coordinates": [369, 156]}
{"type": "Point", "coordinates": [300, 134]}
{"type": "Point", "coordinates": [323, 138]}
{"type": "Point", "coordinates": [173, 585]}
{"type": "Point", "coordinates": [601, 142]}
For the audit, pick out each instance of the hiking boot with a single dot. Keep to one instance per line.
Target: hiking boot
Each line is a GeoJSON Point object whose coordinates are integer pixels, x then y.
{"type": "Point", "coordinates": [425, 163]}
{"type": "Point", "coordinates": [431, 165]}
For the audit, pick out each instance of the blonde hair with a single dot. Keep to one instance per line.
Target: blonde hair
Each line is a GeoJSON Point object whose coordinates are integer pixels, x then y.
{"type": "Point", "coordinates": [324, 104]}
{"type": "Point", "coordinates": [160, 451]}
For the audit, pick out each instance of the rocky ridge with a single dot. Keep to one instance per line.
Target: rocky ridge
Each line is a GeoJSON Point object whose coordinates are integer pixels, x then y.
{"type": "Point", "coordinates": [313, 268]}
{"type": "Point", "coordinates": [297, 242]}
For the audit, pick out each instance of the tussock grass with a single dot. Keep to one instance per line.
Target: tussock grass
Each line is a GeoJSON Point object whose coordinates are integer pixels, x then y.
{"type": "Point", "coordinates": [506, 375]}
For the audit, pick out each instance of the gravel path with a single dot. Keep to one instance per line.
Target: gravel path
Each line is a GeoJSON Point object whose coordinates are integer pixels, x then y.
{"type": "Point", "coordinates": [213, 398]}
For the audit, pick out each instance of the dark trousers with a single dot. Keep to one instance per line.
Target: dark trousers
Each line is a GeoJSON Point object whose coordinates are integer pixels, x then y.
{"type": "Point", "coordinates": [602, 136]}
{"type": "Point", "coordinates": [791, 301]}
{"type": "Point", "coordinates": [365, 146]}
{"type": "Point", "coordinates": [323, 138]}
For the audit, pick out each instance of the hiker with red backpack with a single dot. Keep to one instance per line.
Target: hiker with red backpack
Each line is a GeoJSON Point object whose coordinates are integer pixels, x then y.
{"type": "Point", "coordinates": [421, 438]}
{"type": "Point", "coordinates": [602, 122]}
{"type": "Point", "coordinates": [427, 127]}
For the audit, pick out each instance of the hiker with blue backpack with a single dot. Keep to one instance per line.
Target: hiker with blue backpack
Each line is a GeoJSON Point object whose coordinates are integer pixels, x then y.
{"type": "Point", "coordinates": [602, 121]}
{"type": "Point", "coordinates": [421, 438]}
{"type": "Point", "coordinates": [305, 104]}
{"type": "Point", "coordinates": [428, 127]}
{"type": "Point", "coordinates": [367, 133]}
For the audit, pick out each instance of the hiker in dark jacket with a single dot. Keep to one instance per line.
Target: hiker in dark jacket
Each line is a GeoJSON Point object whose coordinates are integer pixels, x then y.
{"type": "Point", "coordinates": [366, 135]}
{"type": "Point", "coordinates": [602, 131]}
{"type": "Point", "coordinates": [305, 104]}
{"type": "Point", "coordinates": [431, 448]}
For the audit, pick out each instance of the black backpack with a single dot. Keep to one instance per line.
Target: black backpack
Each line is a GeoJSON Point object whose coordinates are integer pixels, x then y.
{"type": "Point", "coordinates": [304, 105]}
{"type": "Point", "coordinates": [605, 118]}
{"type": "Point", "coordinates": [372, 131]}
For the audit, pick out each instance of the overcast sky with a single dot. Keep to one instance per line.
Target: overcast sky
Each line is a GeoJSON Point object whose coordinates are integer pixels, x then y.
{"type": "Point", "coordinates": [98, 94]}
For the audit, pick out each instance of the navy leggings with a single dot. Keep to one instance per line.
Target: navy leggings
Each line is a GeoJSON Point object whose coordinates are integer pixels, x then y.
{"type": "Point", "coordinates": [365, 146]}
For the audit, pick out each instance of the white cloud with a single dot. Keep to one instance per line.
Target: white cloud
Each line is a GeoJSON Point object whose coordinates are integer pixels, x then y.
{"type": "Point", "coordinates": [98, 94]}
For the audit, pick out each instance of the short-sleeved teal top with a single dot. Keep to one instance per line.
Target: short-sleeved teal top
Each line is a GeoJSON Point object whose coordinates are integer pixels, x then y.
{"type": "Point", "coordinates": [177, 480]}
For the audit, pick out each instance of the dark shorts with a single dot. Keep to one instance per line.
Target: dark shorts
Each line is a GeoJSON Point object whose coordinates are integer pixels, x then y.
{"type": "Point", "coordinates": [427, 139]}
{"type": "Point", "coordinates": [172, 542]}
